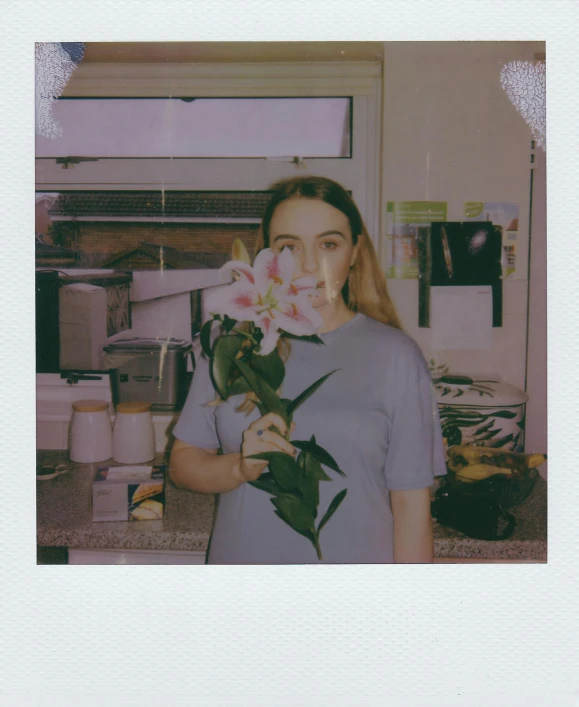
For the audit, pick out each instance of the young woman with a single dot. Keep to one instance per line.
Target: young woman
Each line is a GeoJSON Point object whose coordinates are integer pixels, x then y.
{"type": "Point", "coordinates": [376, 415]}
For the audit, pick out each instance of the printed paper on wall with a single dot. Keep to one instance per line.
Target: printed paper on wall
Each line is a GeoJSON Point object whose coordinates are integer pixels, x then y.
{"type": "Point", "coordinates": [506, 216]}
{"type": "Point", "coordinates": [402, 221]}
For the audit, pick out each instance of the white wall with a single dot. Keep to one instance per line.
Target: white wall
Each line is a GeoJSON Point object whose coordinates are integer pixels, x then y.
{"type": "Point", "coordinates": [451, 134]}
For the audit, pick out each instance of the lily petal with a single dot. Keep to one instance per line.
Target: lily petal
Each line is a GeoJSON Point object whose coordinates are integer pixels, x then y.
{"type": "Point", "coordinates": [269, 328]}
{"type": "Point", "coordinates": [298, 317]}
{"type": "Point", "coordinates": [236, 301]}
{"type": "Point", "coordinates": [302, 284]}
{"type": "Point", "coordinates": [240, 267]}
{"type": "Point", "coordinates": [269, 270]}
{"type": "Point", "coordinates": [286, 264]}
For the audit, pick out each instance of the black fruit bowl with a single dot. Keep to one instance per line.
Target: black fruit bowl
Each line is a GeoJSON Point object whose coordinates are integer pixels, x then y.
{"type": "Point", "coordinates": [507, 491]}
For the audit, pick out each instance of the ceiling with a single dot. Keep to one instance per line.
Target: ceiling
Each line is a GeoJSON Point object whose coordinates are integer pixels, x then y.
{"type": "Point", "coordinates": [222, 52]}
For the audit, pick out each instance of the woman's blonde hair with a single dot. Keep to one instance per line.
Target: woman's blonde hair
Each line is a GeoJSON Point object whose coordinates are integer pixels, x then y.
{"type": "Point", "coordinates": [365, 290]}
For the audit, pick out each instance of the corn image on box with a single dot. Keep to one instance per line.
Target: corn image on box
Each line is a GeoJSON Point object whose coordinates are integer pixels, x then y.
{"type": "Point", "coordinates": [128, 493]}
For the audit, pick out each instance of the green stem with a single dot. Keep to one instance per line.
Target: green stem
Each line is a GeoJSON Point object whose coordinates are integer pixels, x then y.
{"type": "Point", "coordinates": [317, 546]}
{"type": "Point", "coordinates": [244, 333]}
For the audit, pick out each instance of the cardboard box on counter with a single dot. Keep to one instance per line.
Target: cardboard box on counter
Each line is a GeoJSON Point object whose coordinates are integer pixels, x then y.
{"type": "Point", "coordinates": [128, 493]}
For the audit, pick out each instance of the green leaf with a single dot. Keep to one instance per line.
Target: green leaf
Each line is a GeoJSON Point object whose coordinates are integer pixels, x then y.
{"type": "Point", "coordinates": [486, 436]}
{"type": "Point", "coordinates": [228, 323]}
{"type": "Point", "coordinates": [319, 453]}
{"type": "Point", "coordinates": [267, 483]}
{"type": "Point", "coordinates": [225, 349]}
{"type": "Point", "coordinates": [313, 337]}
{"type": "Point", "coordinates": [505, 413]}
{"type": "Point", "coordinates": [284, 468]}
{"type": "Point", "coordinates": [497, 443]}
{"type": "Point", "coordinates": [308, 391]}
{"type": "Point", "coordinates": [306, 533]}
{"type": "Point", "coordinates": [315, 469]}
{"type": "Point", "coordinates": [238, 387]}
{"type": "Point", "coordinates": [295, 514]}
{"type": "Point", "coordinates": [270, 368]}
{"type": "Point", "coordinates": [256, 333]}
{"type": "Point", "coordinates": [263, 390]}
{"type": "Point", "coordinates": [310, 484]}
{"type": "Point", "coordinates": [261, 407]}
{"type": "Point", "coordinates": [456, 380]}
{"type": "Point", "coordinates": [332, 508]}
{"type": "Point", "coordinates": [463, 414]}
{"type": "Point", "coordinates": [453, 435]}
{"type": "Point", "coordinates": [205, 337]}
{"type": "Point", "coordinates": [466, 423]}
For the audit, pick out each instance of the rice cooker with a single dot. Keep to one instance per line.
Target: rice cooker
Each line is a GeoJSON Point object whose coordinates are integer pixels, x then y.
{"type": "Point", "coordinates": [479, 411]}
{"type": "Point", "coordinates": [149, 370]}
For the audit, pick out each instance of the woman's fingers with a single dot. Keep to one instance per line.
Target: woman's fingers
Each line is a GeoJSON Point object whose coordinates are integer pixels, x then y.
{"type": "Point", "coordinates": [275, 443]}
{"type": "Point", "coordinates": [271, 419]}
{"type": "Point", "coordinates": [267, 441]}
{"type": "Point", "coordinates": [267, 434]}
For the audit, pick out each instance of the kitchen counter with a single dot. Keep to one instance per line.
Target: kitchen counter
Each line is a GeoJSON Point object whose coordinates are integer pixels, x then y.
{"type": "Point", "coordinates": [528, 543]}
{"type": "Point", "coordinates": [64, 514]}
{"type": "Point", "coordinates": [64, 519]}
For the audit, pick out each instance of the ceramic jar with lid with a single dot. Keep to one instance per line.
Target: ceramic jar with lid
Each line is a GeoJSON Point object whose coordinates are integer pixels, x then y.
{"type": "Point", "coordinates": [89, 434]}
{"type": "Point", "coordinates": [481, 411]}
{"type": "Point", "coordinates": [133, 433]}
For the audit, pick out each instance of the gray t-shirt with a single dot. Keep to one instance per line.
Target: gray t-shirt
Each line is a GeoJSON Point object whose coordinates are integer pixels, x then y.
{"type": "Point", "coordinates": [376, 416]}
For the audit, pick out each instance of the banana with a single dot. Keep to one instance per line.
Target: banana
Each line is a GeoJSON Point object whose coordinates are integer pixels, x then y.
{"type": "Point", "coordinates": [497, 457]}
{"type": "Point", "coordinates": [535, 460]}
{"type": "Point", "coordinates": [478, 472]}
{"type": "Point", "coordinates": [468, 452]}
{"type": "Point", "coordinates": [455, 463]}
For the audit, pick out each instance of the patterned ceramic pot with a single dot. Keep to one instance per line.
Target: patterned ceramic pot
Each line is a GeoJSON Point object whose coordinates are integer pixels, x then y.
{"type": "Point", "coordinates": [486, 413]}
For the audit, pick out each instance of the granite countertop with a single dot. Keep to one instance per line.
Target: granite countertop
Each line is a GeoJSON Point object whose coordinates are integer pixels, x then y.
{"type": "Point", "coordinates": [64, 520]}
{"type": "Point", "coordinates": [527, 543]}
{"type": "Point", "coordinates": [64, 514]}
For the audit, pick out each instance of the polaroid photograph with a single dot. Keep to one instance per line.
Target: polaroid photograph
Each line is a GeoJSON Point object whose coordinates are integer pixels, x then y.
{"type": "Point", "coordinates": [272, 323]}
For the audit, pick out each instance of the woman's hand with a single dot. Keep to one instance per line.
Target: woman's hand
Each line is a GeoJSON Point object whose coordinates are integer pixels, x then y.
{"type": "Point", "coordinates": [259, 438]}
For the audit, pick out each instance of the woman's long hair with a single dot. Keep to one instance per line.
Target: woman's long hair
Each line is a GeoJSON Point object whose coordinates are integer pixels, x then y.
{"type": "Point", "coordinates": [365, 290]}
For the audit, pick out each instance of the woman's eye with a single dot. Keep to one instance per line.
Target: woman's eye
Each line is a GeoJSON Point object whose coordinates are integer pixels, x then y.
{"type": "Point", "coordinates": [290, 246]}
{"type": "Point", "coordinates": [329, 245]}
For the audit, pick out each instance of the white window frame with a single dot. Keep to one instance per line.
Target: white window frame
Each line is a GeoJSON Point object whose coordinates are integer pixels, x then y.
{"type": "Point", "coordinates": [360, 174]}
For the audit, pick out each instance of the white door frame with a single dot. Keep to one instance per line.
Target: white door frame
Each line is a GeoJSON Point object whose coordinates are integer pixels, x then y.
{"type": "Point", "coordinates": [536, 373]}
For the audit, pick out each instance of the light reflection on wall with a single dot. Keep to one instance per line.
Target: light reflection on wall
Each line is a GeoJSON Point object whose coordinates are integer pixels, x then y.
{"type": "Point", "coordinates": [524, 84]}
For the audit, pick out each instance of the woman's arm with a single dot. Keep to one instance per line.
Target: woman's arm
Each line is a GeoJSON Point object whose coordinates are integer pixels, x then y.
{"type": "Point", "coordinates": [205, 471]}
{"type": "Point", "coordinates": [413, 541]}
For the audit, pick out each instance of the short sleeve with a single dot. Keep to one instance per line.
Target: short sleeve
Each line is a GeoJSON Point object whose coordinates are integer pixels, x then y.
{"type": "Point", "coordinates": [415, 450]}
{"type": "Point", "coordinates": [196, 424]}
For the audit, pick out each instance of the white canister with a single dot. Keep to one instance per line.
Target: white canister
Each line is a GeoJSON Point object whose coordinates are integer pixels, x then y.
{"type": "Point", "coordinates": [480, 411]}
{"type": "Point", "coordinates": [89, 434]}
{"type": "Point", "coordinates": [133, 434]}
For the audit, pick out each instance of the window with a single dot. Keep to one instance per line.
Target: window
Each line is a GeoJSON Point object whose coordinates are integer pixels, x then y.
{"type": "Point", "coordinates": [343, 97]}
{"type": "Point", "coordinates": [200, 127]}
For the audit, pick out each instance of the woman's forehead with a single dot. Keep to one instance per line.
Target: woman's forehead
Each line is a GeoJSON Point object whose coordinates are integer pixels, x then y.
{"type": "Point", "coordinates": [306, 216]}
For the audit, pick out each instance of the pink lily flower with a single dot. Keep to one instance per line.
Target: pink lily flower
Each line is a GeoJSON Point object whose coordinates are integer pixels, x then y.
{"type": "Point", "coordinates": [266, 295]}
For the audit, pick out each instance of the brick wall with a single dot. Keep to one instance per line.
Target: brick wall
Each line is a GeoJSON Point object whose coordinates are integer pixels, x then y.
{"type": "Point", "coordinates": [106, 238]}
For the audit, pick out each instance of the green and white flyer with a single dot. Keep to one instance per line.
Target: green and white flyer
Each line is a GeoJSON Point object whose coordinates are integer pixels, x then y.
{"type": "Point", "coordinates": [402, 221]}
{"type": "Point", "coordinates": [507, 217]}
